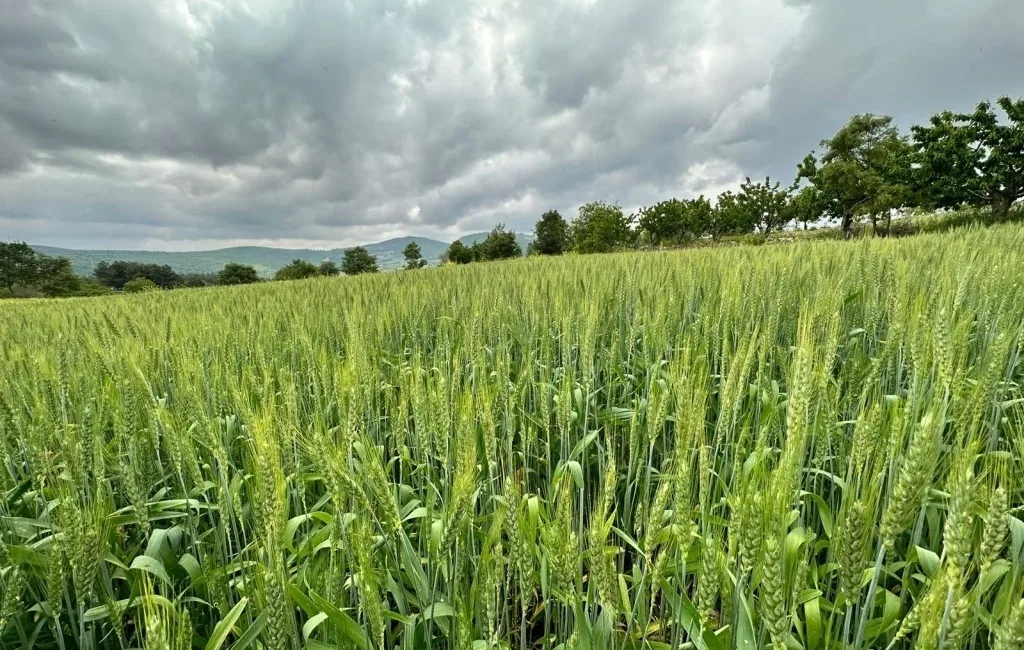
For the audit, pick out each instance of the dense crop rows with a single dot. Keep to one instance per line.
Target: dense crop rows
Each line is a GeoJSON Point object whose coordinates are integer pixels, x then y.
{"type": "Point", "coordinates": [815, 446]}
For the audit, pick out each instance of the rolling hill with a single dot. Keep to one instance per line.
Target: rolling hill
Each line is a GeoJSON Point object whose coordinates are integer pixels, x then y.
{"type": "Point", "coordinates": [266, 260]}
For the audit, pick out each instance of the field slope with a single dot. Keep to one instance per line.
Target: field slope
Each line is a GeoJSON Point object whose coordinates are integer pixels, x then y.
{"type": "Point", "coordinates": [810, 446]}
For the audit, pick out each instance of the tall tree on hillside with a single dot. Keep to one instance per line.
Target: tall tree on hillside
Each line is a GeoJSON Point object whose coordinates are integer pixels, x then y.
{"type": "Point", "coordinates": [854, 168]}
{"type": "Point", "coordinates": [764, 206]}
{"type": "Point", "coordinates": [358, 260]}
{"type": "Point", "coordinates": [599, 228]}
{"type": "Point", "coordinates": [413, 256]}
{"type": "Point", "coordinates": [500, 244]}
{"type": "Point", "coordinates": [234, 273]}
{"type": "Point", "coordinates": [972, 158]}
{"type": "Point", "coordinates": [551, 234]}
{"type": "Point", "coordinates": [18, 265]}
{"type": "Point", "coordinates": [299, 269]}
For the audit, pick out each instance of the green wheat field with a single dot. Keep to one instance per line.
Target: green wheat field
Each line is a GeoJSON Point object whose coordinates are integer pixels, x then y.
{"type": "Point", "coordinates": [813, 446]}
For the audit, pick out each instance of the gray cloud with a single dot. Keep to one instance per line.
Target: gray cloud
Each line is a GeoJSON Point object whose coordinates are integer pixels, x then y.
{"type": "Point", "coordinates": [195, 123]}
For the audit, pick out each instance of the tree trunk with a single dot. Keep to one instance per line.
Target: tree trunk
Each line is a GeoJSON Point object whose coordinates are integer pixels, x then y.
{"type": "Point", "coordinates": [874, 225]}
{"type": "Point", "coordinates": [1000, 207]}
{"type": "Point", "coordinates": [847, 224]}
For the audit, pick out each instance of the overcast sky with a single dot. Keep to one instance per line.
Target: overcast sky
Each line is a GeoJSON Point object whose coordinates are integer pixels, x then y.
{"type": "Point", "coordinates": [190, 124]}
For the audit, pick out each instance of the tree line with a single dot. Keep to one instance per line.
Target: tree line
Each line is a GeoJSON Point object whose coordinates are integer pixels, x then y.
{"type": "Point", "coordinates": [26, 273]}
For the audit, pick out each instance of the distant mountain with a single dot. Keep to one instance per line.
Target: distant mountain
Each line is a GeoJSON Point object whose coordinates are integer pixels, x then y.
{"type": "Point", "coordinates": [264, 259]}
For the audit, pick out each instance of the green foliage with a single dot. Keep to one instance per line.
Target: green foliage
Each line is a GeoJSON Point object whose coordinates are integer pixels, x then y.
{"type": "Point", "coordinates": [600, 228]}
{"type": "Point", "coordinates": [413, 257]}
{"type": "Point", "coordinates": [675, 221]}
{"type": "Point", "coordinates": [763, 207]}
{"type": "Point", "coordinates": [500, 244]}
{"type": "Point", "coordinates": [18, 265]}
{"type": "Point", "coordinates": [139, 285]}
{"type": "Point", "coordinates": [116, 274]}
{"type": "Point", "coordinates": [459, 253]}
{"type": "Point", "coordinates": [551, 235]}
{"type": "Point", "coordinates": [56, 278]}
{"type": "Point", "coordinates": [357, 261]}
{"type": "Point", "coordinates": [816, 446]}
{"type": "Point", "coordinates": [237, 274]}
{"type": "Point", "coordinates": [728, 216]}
{"type": "Point", "coordinates": [299, 269]}
{"type": "Point", "coordinates": [328, 269]}
{"type": "Point", "coordinates": [972, 158]}
{"type": "Point", "coordinates": [863, 170]}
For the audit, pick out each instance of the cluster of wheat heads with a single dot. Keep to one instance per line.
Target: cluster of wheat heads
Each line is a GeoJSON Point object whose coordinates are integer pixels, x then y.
{"type": "Point", "coordinates": [812, 446]}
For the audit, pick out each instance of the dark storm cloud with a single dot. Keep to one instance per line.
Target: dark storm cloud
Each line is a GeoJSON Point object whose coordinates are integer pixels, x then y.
{"type": "Point", "coordinates": [188, 122]}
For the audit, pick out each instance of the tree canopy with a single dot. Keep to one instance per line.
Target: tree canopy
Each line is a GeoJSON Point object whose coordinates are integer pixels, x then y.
{"type": "Point", "coordinates": [237, 274]}
{"type": "Point", "coordinates": [600, 228]}
{"type": "Point", "coordinates": [459, 253]}
{"type": "Point", "coordinates": [117, 273]}
{"type": "Point", "coordinates": [328, 269]}
{"type": "Point", "coordinates": [972, 158]}
{"type": "Point", "coordinates": [860, 165]}
{"type": "Point", "coordinates": [551, 234]}
{"type": "Point", "coordinates": [413, 256]}
{"type": "Point", "coordinates": [18, 265]}
{"type": "Point", "coordinates": [358, 260]}
{"type": "Point", "coordinates": [298, 270]}
{"type": "Point", "coordinates": [500, 244]}
{"type": "Point", "coordinates": [763, 207]}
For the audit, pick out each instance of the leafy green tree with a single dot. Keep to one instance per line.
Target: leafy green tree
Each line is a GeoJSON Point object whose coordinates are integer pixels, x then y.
{"type": "Point", "coordinates": [140, 285]}
{"type": "Point", "coordinates": [234, 273]}
{"type": "Point", "coordinates": [298, 270]}
{"type": "Point", "coordinates": [805, 206]}
{"type": "Point", "coordinates": [551, 234]}
{"type": "Point", "coordinates": [728, 216]}
{"type": "Point", "coordinates": [56, 278]}
{"type": "Point", "coordinates": [972, 158]}
{"type": "Point", "coordinates": [599, 228]}
{"type": "Point", "coordinates": [115, 274]}
{"type": "Point", "coordinates": [328, 269]}
{"type": "Point", "coordinates": [665, 222]}
{"type": "Point", "coordinates": [358, 260]}
{"type": "Point", "coordinates": [19, 265]}
{"type": "Point", "coordinates": [500, 244]}
{"type": "Point", "coordinates": [459, 253]}
{"type": "Point", "coordinates": [855, 169]}
{"type": "Point", "coordinates": [413, 256]}
{"type": "Point", "coordinates": [764, 207]}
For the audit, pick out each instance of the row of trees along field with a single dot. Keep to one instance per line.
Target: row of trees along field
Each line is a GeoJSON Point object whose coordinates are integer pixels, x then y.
{"type": "Point", "coordinates": [865, 173]}
{"type": "Point", "coordinates": [26, 273]}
